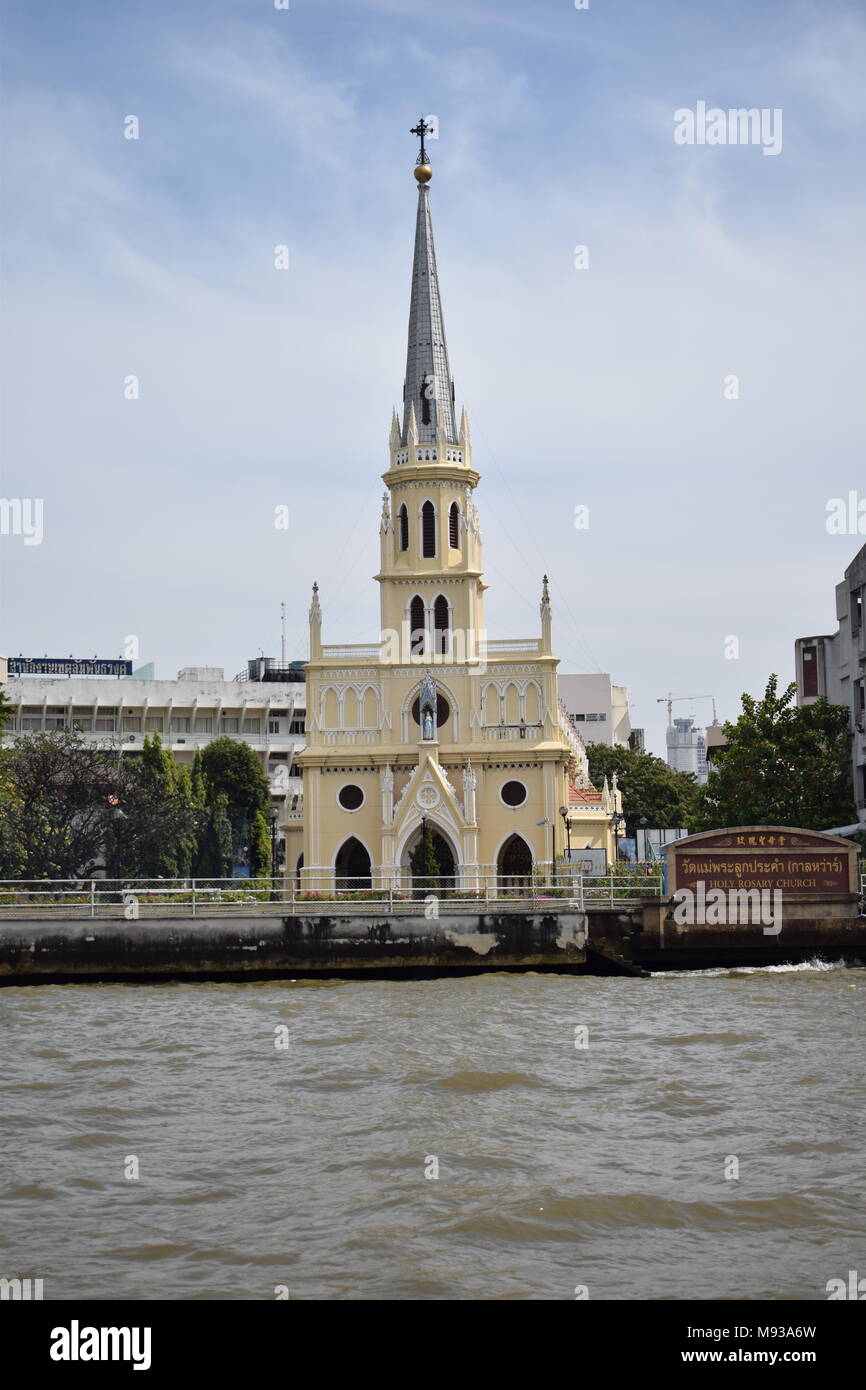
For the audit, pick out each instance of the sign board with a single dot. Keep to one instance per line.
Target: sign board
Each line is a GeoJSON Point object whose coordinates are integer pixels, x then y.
{"type": "Point", "coordinates": [67, 666]}
{"type": "Point", "coordinates": [796, 862]}
{"type": "Point", "coordinates": [587, 861]}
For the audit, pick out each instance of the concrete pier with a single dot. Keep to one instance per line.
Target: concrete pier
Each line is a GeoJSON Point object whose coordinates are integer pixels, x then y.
{"type": "Point", "coordinates": [628, 941]}
{"type": "Point", "coordinates": [55, 950]}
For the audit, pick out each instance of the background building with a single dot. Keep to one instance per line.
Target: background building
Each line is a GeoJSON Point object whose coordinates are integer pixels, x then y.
{"type": "Point", "coordinates": [598, 708]}
{"type": "Point", "coordinates": [834, 665]}
{"type": "Point", "coordinates": [267, 713]}
{"type": "Point", "coordinates": [687, 748]}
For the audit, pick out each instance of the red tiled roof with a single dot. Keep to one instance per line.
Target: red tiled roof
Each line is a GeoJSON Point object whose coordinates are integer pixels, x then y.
{"type": "Point", "coordinates": [583, 796]}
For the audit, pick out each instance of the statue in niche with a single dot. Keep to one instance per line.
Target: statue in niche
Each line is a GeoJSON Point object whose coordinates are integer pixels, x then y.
{"type": "Point", "coordinates": [427, 708]}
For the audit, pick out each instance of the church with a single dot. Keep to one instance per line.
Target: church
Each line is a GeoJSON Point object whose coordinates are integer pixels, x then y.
{"type": "Point", "coordinates": [434, 750]}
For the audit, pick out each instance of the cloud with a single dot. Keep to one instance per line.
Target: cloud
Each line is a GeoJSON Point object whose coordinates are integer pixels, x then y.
{"type": "Point", "coordinates": [601, 387]}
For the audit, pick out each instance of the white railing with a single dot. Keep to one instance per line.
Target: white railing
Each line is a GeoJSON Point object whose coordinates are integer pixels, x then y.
{"type": "Point", "coordinates": [492, 733]}
{"type": "Point", "coordinates": [134, 899]}
{"type": "Point", "coordinates": [501, 645]}
{"type": "Point", "coordinates": [350, 736]}
{"type": "Point", "coordinates": [572, 737]}
{"type": "Point", "coordinates": [364, 651]}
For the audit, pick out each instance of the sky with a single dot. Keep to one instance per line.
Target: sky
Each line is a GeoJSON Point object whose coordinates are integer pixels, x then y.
{"type": "Point", "coordinates": [606, 386]}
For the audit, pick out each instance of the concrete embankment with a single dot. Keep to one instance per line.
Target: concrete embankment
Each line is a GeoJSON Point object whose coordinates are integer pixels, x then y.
{"type": "Point", "coordinates": [650, 937]}
{"type": "Point", "coordinates": [628, 941]}
{"type": "Point", "coordinates": [45, 951]}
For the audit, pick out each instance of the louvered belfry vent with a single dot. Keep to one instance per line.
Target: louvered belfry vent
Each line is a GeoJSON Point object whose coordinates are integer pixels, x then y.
{"type": "Point", "coordinates": [417, 625]}
{"type": "Point", "coordinates": [428, 531]}
{"type": "Point", "coordinates": [441, 623]}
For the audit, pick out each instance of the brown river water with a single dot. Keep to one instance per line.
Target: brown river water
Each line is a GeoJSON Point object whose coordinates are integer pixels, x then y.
{"type": "Point", "coordinates": [304, 1167]}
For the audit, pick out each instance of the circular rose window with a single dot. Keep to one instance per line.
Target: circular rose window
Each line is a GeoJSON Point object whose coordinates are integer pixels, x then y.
{"type": "Point", "coordinates": [513, 793]}
{"type": "Point", "coordinates": [350, 797]}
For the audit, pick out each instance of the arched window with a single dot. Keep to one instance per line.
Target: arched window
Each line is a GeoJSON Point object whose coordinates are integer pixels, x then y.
{"type": "Point", "coordinates": [441, 624]}
{"type": "Point", "coordinates": [417, 626]}
{"type": "Point", "coordinates": [454, 526]}
{"type": "Point", "coordinates": [428, 530]}
{"type": "Point", "coordinates": [403, 527]}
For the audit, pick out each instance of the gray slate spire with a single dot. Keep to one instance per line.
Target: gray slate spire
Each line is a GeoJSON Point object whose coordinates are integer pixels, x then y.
{"type": "Point", "coordinates": [428, 383]}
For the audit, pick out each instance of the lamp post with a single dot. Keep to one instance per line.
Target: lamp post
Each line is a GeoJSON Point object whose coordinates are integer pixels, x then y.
{"type": "Point", "coordinates": [273, 854]}
{"type": "Point", "coordinates": [563, 811]}
{"type": "Point", "coordinates": [614, 825]}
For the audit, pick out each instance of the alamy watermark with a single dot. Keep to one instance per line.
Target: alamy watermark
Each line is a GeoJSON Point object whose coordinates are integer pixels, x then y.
{"type": "Point", "coordinates": [854, 1289]}
{"type": "Point", "coordinates": [22, 516]}
{"type": "Point", "coordinates": [738, 126]}
{"type": "Point", "coordinates": [846, 516]}
{"type": "Point", "coordinates": [77, 1343]}
{"type": "Point", "coordinates": [20, 1290]}
{"type": "Point", "coordinates": [719, 907]}
{"type": "Point", "coordinates": [441, 647]}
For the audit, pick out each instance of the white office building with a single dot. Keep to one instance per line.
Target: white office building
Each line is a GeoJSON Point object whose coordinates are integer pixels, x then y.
{"type": "Point", "coordinates": [116, 713]}
{"type": "Point", "coordinates": [598, 708]}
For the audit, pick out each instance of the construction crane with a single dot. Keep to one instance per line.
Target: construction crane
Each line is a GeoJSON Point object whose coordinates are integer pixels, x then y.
{"type": "Point", "coordinates": [671, 699]}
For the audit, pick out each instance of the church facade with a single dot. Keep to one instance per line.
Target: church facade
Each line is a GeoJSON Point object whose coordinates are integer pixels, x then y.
{"type": "Point", "coordinates": [433, 733]}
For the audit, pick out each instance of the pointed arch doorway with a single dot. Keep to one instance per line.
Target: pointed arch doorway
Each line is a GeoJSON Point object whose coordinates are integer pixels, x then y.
{"type": "Point", "coordinates": [352, 868]}
{"type": "Point", "coordinates": [429, 861]}
{"type": "Point", "coordinates": [514, 865]}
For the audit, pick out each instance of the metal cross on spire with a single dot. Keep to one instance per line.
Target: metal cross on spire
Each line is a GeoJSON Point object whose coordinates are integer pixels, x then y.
{"type": "Point", "coordinates": [421, 129]}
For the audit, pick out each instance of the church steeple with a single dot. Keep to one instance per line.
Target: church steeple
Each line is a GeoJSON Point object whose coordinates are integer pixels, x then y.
{"type": "Point", "coordinates": [430, 545]}
{"type": "Point", "coordinates": [428, 386]}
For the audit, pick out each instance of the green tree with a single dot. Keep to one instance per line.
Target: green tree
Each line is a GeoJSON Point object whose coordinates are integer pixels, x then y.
{"type": "Point", "coordinates": [11, 849]}
{"type": "Point", "coordinates": [6, 710]}
{"type": "Point", "coordinates": [156, 766]}
{"type": "Point", "coordinates": [651, 791]}
{"type": "Point", "coordinates": [260, 847]}
{"type": "Point", "coordinates": [10, 856]}
{"type": "Point", "coordinates": [154, 823]}
{"type": "Point", "coordinates": [188, 840]}
{"type": "Point", "coordinates": [782, 765]}
{"type": "Point", "coordinates": [233, 770]}
{"type": "Point", "coordinates": [198, 780]}
{"type": "Point", "coordinates": [425, 861]}
{"type": "Point", "coordinates": [213, 857]}
{"type": "Point", "coordinates": [233, 773]}
{"type": "Point", "coordinates": [56, 808]}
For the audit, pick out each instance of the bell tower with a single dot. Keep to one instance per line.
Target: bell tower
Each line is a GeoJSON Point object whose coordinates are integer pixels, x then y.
{"type": "Point", "coordinates": [430, 576]}
{"type": "Point", "coordinates": [431, 727]}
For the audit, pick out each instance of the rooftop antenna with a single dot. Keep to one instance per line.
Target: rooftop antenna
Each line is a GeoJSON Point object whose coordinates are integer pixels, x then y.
{"type": "Point", "coordinates": [283, 637]}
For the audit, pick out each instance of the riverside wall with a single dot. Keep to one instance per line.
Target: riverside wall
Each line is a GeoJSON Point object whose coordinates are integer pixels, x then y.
{"type": "Point", "coordinates": [600, 940]}
{"type": "Point", "coordinates": [311, 944]}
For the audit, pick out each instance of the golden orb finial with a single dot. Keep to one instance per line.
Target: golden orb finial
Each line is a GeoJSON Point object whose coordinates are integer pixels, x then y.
{"type": "Point", "coordinates": [423, 172]}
